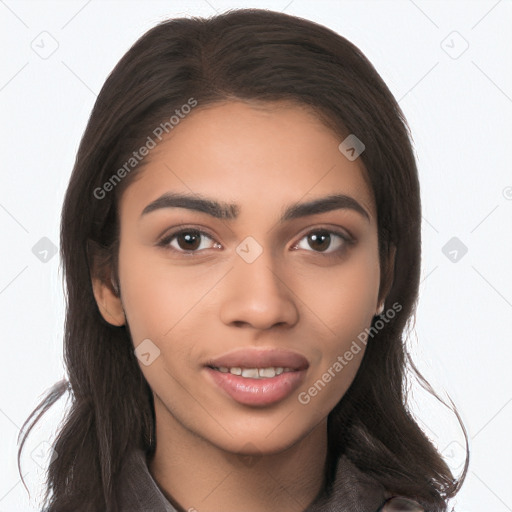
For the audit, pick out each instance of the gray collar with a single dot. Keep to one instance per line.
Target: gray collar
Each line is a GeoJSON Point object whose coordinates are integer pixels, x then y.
{"type": "Point", "coordinates": [351, 491]}
{"type": "Point", "coordinates": [138, 491]}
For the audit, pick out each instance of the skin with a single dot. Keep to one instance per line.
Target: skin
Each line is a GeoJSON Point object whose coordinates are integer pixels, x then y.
{"type": "Point", "coordinates": [213, 453]}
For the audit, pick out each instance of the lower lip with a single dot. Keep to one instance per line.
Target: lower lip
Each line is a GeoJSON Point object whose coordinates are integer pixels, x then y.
{"type": "Point", "coordinates": [258, 391]}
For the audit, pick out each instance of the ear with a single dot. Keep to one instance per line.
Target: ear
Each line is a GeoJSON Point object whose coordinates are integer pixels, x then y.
{"type": "Point", "coordinates": [388, 273]}
{"type": "Point", "coordinates": [106, 293]}
{"type": "Point", "coordinates": [108, 301]}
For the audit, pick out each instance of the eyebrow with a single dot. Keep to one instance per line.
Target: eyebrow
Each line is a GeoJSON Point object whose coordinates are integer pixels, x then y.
{"type": "Point", "coordinates": [230, 211]}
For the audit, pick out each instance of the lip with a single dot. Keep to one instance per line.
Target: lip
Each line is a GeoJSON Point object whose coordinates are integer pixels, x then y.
{"type": "Point", "coordinates": [257, 392]}
{"type": "Point", "coordinates": [261, 358]}
{"type": "Point", "coordinates": [264, 391]}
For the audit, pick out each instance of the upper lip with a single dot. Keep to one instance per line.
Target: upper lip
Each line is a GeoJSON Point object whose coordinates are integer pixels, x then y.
{"type": "Point", "coordinates": [260, 358]}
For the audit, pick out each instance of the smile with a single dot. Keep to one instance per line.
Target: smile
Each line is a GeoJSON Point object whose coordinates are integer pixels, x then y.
{"type": "Point", "coordinates": [257, 377]}
{"type": "Point", "coordinates": [253, 373]}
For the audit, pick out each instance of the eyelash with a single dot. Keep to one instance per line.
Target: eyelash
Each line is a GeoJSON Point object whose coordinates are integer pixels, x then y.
{"type": "Point", "coordinates": [346, 240]}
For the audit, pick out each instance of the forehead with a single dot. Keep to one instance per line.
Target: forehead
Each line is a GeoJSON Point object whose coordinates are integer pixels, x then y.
{"type": "Point", "coordinates": [265, 153]}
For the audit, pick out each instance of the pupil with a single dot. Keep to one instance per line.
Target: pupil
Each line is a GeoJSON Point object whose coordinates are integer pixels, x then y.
{"type": "Point", "coordinates": [323, 239]}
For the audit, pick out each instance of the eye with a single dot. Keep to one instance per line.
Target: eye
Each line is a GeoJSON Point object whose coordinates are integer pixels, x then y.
{"type": "Point", "coordinates": [191, 240]}
{"type": "Point", "coordinates": [324, 241]}
{"type": "Point", "coordinates": [188, 241]}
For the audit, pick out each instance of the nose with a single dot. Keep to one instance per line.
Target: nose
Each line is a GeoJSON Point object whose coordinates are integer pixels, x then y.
{"type": "Point", "coordinates": [257, 295]}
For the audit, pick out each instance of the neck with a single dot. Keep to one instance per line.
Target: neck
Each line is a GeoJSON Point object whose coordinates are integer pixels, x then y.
{"type": "Point", "coordinates": [197, 475]}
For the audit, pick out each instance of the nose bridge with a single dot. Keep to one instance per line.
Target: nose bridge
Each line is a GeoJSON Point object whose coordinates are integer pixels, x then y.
{"type": "Point", "coordinates": [255, 262]}
{"type": "Point", "coordinates": [262, 276]}
{"type": "Point", "coordinates": [256, 292]}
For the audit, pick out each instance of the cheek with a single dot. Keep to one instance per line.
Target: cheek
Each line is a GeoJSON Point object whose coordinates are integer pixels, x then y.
{"type": "Point", "coordinates": [343, 297]}
{"type": "Point", "coordinates": [157, 295]}
{"type": "Point", "coordinates": [355, 297]}
{"type": "Point", "coordinates": [341, 304]}
{"type": "Point", "coordinates": [159, 302]}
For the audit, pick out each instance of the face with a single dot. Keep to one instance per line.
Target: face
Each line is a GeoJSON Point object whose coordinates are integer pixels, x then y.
{"type": "Point", "coordinates": [263, 283]}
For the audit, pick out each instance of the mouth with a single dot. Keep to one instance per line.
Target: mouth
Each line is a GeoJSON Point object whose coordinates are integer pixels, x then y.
{"type": "Point", "coordinates": [258, 377]}
{"type": "Point", "coordinates": [253, 373]}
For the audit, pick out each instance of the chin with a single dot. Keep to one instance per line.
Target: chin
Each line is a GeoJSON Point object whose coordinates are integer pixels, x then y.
{"type": "Point", "coordinates": [262, 438]}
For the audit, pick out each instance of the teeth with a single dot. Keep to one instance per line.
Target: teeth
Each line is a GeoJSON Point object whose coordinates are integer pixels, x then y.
{"type": "Point", "coordinates": [251, 373]}
{"type": "Point", "coordinates": [266, 372]}
{"type": "Point", "coordinates": [254, 373]}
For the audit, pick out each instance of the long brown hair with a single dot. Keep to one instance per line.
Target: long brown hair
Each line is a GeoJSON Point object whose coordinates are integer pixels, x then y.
{"type": "Point", "coordinates": [247, 54]}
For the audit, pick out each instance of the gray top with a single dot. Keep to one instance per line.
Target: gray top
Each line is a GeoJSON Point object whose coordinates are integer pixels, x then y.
{"type": "Point", "coordinates": [352, 491]}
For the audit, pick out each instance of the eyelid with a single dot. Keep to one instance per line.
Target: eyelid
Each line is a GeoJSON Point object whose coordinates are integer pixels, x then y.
{"type": "Point", "coordinates": [347, 240]}
{"type": "Point", "coordinates": [164, 240]}
{"type": "Point", "coordinates": [341, 232]}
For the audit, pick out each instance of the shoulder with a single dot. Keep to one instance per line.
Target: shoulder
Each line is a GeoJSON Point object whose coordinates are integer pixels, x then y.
{"type": "Point", "coordinates": [399, 504]}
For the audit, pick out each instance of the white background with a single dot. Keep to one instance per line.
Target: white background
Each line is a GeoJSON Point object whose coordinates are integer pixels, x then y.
{"type": "Point", "coordinates": [459, 110]}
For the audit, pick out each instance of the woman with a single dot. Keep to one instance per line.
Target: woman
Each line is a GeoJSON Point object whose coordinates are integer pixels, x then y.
{"type": "Point", "coordinates": [241, 245]}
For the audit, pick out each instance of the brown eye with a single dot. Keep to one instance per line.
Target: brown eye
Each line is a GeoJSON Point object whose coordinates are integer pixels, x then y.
{"type": "Point", "coordinates": [323, 241]}
{"type": "Point", "coordinates": [319, 241]}
{"type": "Point", "coordinates": [188, 241]}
